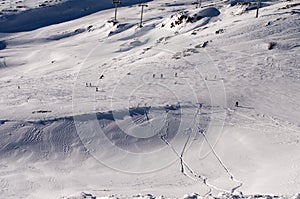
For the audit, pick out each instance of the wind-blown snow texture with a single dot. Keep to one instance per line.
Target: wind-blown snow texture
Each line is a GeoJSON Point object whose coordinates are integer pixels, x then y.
{"type": "Point", "coordinates": [110, 110]}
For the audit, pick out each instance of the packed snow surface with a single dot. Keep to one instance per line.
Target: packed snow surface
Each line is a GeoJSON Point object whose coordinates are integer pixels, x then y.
{"type": "Point", "coordinates": [200, 99]}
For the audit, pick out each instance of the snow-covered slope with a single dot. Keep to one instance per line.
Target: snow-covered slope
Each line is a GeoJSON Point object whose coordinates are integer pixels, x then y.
{"type": "Point", "coordinates": [102, 108]}
{"type": "Point", "coordinates": [18, 16]}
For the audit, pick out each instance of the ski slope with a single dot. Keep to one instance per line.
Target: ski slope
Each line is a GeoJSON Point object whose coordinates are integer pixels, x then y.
{"type": "Point", "coordinates": [90, 108]}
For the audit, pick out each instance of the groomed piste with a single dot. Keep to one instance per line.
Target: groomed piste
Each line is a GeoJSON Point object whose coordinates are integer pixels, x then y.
{"type": "Point", "coordinates": [197, 101]}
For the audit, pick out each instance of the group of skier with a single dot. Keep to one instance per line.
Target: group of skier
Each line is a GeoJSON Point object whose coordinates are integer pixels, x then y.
{"type": "Point", "coordinates": [153, 75]}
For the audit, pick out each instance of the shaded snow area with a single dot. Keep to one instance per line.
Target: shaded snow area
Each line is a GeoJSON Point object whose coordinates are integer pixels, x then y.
{"type": "Point", "coordinates": [26, 15]}
{"type": "Point", "coordinates": [197, 101]}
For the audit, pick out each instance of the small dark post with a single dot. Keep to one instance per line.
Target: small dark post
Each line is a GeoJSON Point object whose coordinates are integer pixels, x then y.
{"type": "Point", "coordinates": [116, 3]}
{"type": "Point", "coordinates": [258, 5]}
{"type": "Point", "coordinates": [142, 5]}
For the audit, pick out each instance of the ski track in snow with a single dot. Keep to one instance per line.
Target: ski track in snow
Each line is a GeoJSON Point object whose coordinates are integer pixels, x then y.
{"type": "Point", "coordinates": [43, 70]}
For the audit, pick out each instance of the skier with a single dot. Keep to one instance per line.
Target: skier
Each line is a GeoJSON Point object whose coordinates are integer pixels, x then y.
{"type": "Point", "coordinates": [161, 76]}
{"type": "Point", "coordinates": [101, 77]}
{"type": "Point", "coordinates": [153, 75]}
{"type": "Point", "coordinates": [96, 89]}
{"type": "Point", "coordinates": [175, 74]}
{"type": "Point", "coordinates": [236, 104]}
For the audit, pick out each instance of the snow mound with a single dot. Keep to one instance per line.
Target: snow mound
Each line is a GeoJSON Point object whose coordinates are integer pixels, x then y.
{"type": "Point", "coordinates": [241, 7]}
{"type": "Point", "coordinates": [120, 28]}
{"type": "Point", "coordinates": [183, 18]}
{"type": "Point", "coordinates": [191, 196]}
{"type": "Point", "coordinates": [67, 34]}
{"type": "Point", "coordinates": [82, 195]}
{"type": "Point", "coordinates": [208, 12]}
{"type": "Point", "coordinates": [2, 45]}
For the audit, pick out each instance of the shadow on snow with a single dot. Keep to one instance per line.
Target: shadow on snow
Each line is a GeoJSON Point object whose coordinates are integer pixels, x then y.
{"type": "Point", "coordinates": [54, 14]}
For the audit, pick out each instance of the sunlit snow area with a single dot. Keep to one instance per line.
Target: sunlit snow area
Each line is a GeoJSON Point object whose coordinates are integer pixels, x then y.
{"type": "Point", "coordinates": [200, 100]}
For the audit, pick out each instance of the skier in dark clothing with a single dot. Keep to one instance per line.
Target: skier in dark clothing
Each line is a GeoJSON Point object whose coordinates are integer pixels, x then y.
{"type": "Point", "coordinates": [236, 104]}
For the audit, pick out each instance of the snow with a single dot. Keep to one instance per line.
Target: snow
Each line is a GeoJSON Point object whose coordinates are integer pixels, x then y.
{"type": "Point", "coordinates": [19, 17]}
{"type": "Point", "coordinates": [163, 120]}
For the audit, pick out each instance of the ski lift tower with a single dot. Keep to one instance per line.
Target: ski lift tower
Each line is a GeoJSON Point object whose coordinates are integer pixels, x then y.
{"type": "Point", "coordinates": [142, 5]}
{"type": "Point", "coordinates": [258, 5]}
{"type": "Point", "coordinates": [198, 4]}
{"type": "Point", "coordinates": [116, 3]}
